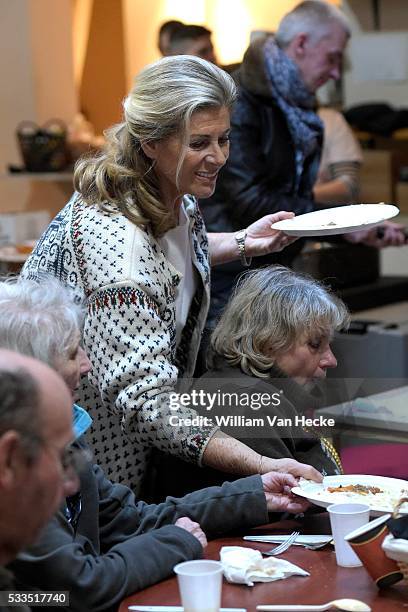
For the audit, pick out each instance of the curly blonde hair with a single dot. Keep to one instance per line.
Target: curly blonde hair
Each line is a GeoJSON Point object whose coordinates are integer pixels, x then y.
{"type": "Point", "coordinates": [161, 103]}
{"type": "Point", "coordinates": [270, 310]}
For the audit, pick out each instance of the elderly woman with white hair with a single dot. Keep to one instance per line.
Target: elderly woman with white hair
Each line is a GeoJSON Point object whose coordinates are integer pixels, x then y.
{"type": "Point", "coordinates": [132, 243]}
{"type": "Point", "coordinates": [269, 355]}
{"type": "Point", "coordinates": [105, 544]}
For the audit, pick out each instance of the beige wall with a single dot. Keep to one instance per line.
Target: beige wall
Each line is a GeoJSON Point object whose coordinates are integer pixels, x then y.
{"type": "Point", "coordinates": [141, 22]}
{"type": "Point", "coordinates": [112, 40]}
{"type": "Point", "coordinates": [103, 82]}
{"type": "Point", "coordinates": [35, 67]}
{"type": "Point", "coordinates": [16, 100]}
{"type": "Point", "coordinates": [38, 61]}
{"type": "Point", "coordinates": [36, 73]}
{"type": "Point", "coordinates": [394, 15]}
{"type": "Point", "coordinates": [393, 18]}
{"type": "Point", "coordinates": [231, 22]}
{"type": "Point", "coordinates": [52, 59]}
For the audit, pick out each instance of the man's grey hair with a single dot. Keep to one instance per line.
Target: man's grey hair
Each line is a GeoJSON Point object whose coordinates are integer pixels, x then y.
{"type": "Point", "coordinates": [40, 320]}
{"type": "Point", "coordinates": [270, 311]}
{"type": "Point", "coordinates": [312, 17]}
{"type": "Point", "coordinates": [19, 408]}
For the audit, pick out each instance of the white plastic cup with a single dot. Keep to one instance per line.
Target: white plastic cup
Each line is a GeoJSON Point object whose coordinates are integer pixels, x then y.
{"type": "Point", "coordinates": [344, 518]}
{"type": "Point", "coordinates": [200, 585]}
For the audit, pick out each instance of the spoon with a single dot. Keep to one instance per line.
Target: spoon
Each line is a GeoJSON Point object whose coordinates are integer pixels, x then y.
{"type": "Point", "coordinates": [349, 605]}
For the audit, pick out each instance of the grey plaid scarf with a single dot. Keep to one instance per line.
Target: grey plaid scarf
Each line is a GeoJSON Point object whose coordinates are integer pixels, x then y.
{"type": "Point", "coordinates": [297, 104]}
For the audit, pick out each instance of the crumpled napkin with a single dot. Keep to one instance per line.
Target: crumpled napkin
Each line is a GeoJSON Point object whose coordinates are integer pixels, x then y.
{"type": "Point", "coordinates": [246, 566]}
{"type": "Point", "coordinates": [395, 548]}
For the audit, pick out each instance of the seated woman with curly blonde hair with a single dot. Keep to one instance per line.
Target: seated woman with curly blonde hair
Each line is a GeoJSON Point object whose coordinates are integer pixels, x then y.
{"type": "Point", "coordinates": [269, 355]}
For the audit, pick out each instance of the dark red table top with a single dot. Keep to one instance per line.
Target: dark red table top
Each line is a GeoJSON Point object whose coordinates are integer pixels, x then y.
{"type": "Point", "coordinates": [327, 580]}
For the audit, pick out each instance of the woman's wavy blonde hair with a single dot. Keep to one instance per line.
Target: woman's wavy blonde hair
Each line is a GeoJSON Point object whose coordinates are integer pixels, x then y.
{"type": "Point", "coordinates": [270, 311]}
{"type": "Point", "coordinates": [161, 103]}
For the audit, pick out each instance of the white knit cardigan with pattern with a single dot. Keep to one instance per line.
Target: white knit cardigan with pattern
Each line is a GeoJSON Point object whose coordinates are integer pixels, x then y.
{"type": "Point", "coordinates": [129, 333]}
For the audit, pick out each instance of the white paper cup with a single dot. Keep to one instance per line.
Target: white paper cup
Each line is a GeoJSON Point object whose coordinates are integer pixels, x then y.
{"type": "Point", "coordinates": [344, 518]}
{"type": "Point", "coordinates": [200, 585]}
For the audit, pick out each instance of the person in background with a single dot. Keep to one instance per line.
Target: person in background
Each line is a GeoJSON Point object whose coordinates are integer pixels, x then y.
{"type": "Point", "coordinates": [131, 243]}
{"type": "Point", "coordinates": [276, 136]}
{"type": "Point", "coordinates": [104, 544]}
{"type": "Point", "coordinates": [271, 342]}
{"type": "Point", "coordinates": [35, 433]}
{"type": "Point", "coordinates": [192, 40]}
{"type": "Point", "coordinates": [165, 33]}
{"type": "Point", "coordinates": [195, 40]}
{"type": "Point", "coordinates": [338, 180]}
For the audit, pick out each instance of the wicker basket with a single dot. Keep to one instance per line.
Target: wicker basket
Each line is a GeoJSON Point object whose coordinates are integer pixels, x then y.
{"type": "Point", "coordinates": [43, 149]}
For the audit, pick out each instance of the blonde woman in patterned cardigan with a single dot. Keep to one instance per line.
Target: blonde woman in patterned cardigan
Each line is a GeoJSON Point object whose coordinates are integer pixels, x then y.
{"type": "Point", "coordinates": [132, 244]}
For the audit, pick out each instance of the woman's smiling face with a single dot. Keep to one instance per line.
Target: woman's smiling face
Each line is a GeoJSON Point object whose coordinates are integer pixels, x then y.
{"type": "Point", "coordinates": [204, 154]}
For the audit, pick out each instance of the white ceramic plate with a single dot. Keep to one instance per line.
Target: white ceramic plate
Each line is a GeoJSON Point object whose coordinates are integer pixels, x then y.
{"type": "Point", "coordinates": [341, 220]}
{"type": "Point", "coordinates": [381, 503]}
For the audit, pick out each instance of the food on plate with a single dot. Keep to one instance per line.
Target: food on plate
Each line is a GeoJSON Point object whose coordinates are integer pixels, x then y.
{"type": "Point", "coordinates": [355, 488]}
{"type": "Point", "coordinates": [374, 496]}
{"type": "Point", "coordinates": [380, 493]}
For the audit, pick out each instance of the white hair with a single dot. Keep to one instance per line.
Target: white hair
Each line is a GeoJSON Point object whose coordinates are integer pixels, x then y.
{"type": "Point", "coordinates": [41, 320]}
{"type": "Point", "coordinates": [313, 17]}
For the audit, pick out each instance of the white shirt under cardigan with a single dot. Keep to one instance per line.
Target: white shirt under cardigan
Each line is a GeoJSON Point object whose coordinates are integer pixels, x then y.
{"type": "Point", "coordinates": [176, 245]}
{"type": "Point", "coordinates": [129, 333]}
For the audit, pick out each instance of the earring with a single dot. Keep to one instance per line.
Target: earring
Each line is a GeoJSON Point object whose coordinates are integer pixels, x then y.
{"type": "Point", "coordinates": [152, 165]}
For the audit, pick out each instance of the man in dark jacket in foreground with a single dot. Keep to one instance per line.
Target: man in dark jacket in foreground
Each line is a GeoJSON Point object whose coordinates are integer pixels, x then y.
{"type": "Point", "coordinates": [118, 545]}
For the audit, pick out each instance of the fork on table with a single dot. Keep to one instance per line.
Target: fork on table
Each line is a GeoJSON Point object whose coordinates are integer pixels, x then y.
{"type": "Point", "coordinates": [284, 546]}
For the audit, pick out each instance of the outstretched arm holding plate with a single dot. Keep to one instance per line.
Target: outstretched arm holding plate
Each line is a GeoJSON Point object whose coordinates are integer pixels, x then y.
{"type": "Point", "coordinates": [259, 238]}
{"type": "Point", "coordinates": [358, 223]}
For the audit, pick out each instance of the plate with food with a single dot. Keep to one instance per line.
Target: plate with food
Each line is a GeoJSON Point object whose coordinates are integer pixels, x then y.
{"type": "Point", "coordinates": [379, 492]}
{"type": "Point", "coordinates": [339, 220]}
